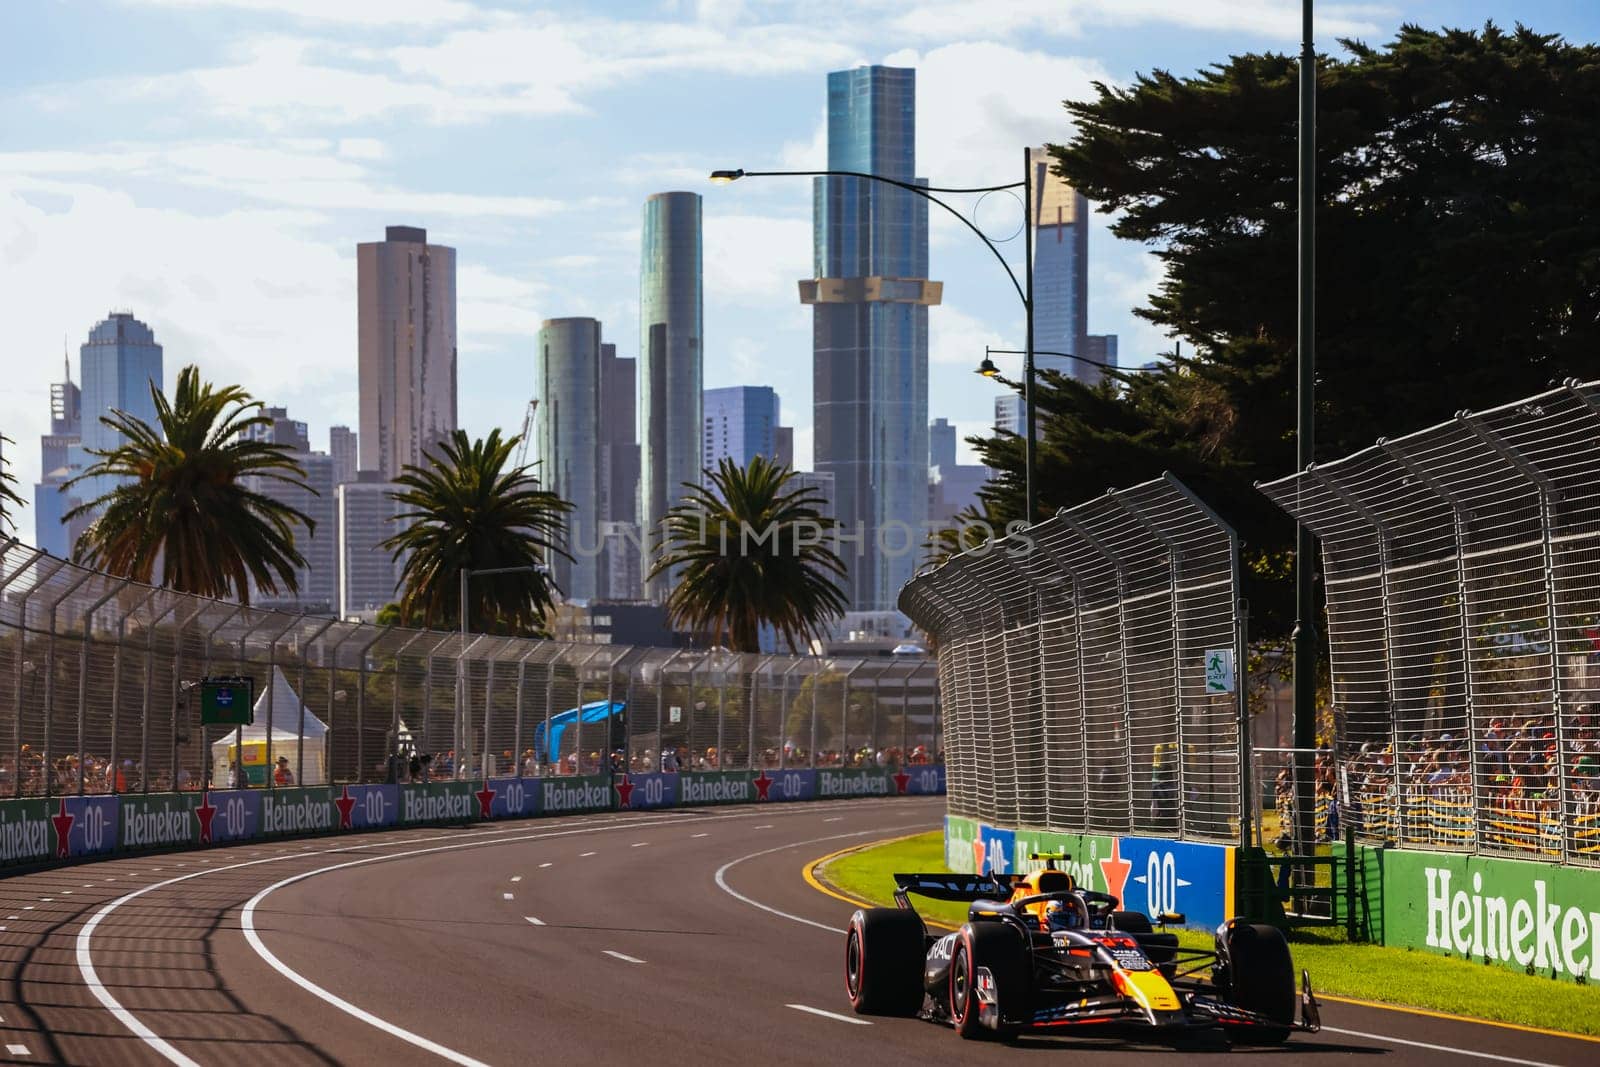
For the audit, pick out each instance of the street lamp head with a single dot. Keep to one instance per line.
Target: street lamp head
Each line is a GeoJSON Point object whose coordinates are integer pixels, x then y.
{"type": "Point", "coordinates": [988, 369]}
{"type": "Point", "coordinates": [723, 177]}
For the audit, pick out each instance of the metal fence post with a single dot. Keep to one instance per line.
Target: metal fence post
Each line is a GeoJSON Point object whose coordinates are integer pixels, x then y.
{"type": "Point", "coordinates": [1548, 495]}
{"type": "Point", "coordinates": [327, 738]}
{"type": "Point", "coordinates": [83, 676]}
{"type": "Point", "coordinates": [1120, 569]}
{"type": "Point", "coordinates": [335, 697]}
{"type": "Point", "coordinates": [50, 681]}
{"type": "Point", "coordinates": [1459, 514]}
{"type": "Point", "coordinates": [816, 698]}
{"type": "Point", "coordinates": [149, 688]}
{"type": "Point", "coordinates": [272, 695]}
{"type": "Point", "coordinates": [22, 649]}
{"type": "Point", "coordinates": [522, 686]}
{"type": "Point", "coordinates": [361, 702]}
{"type": "Point", "coordinates": [116, 685]}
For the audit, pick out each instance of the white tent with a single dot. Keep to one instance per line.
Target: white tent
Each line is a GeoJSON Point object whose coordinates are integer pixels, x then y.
{"type": "Point", "coordinates": [279, 709]}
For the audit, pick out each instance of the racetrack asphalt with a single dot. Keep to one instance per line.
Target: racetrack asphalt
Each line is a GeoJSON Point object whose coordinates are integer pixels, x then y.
{"type": "Point", "coordinates": [676, 936]}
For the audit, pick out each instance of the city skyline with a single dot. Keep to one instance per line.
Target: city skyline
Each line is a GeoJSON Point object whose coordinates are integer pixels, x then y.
{"type": "Point", "coordinates": [133, 176]}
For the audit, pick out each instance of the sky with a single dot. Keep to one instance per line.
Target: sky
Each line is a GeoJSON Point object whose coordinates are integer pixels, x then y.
{"type": "Point", "coordinates": [211, 165]}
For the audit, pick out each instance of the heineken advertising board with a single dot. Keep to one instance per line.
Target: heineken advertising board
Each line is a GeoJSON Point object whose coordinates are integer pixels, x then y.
{"type": "Point", "coordinates": [715, 787]}
{"type": "Point", "coordinates": [438, 802]}
{"type": "Point", "coordinates": [1508, 912]}
{"type": "Point", "coordinates": [297, 810]}
{"type": "Point", "coordinates": [577, 793]}
{"type": "Point", "coordinates": [26, 835]}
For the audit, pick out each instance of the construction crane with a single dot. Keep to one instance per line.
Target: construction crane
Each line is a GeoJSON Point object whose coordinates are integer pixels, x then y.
{"type": "Point", "coordinates": [527, 433]}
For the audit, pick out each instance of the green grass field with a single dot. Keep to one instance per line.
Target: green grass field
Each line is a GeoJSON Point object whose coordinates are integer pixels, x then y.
{"type": "Point", "coordinates": [1338, 968]}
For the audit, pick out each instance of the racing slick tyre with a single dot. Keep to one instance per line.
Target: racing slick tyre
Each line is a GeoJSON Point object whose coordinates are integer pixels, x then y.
{"type": "Point", "coordinates": [1132, 922]}
{"type": "Point", "coordinates": [1261, 974]}
{"type": "Point", "coordinates": [997, 947]}
{"type": "Point", "coordinates": [884, 951]}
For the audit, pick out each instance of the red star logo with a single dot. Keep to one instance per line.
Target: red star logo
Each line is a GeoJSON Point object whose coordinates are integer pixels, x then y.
{"type": "Point", "coordinates": [485, 799]}
{"type": "Point", "coordinates": [63, 823]}
{"type": "Point", "coordinates": [346, 804]}
{"type": "Point", "coordinates": [625, 792]}
{"type": "Point", "coordinates": [762, 784]}
{"type": "Point", "coordinates": [204, 812]}
{"type": "Point", "coordinates": [1116, 869]}
{"type": "Point", "coordinates": [978, 854]}
{"type": "Point", "coordinates": [901, 780]}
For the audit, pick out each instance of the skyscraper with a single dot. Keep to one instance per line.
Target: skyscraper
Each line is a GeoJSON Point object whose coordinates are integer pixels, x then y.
{"type": "Point", "coordinates": [368, 574]}
{"type": "Point", "coordinates": [741, 422]}
{"type": "Point", "coordinates": [1060, 217]}
{"type": "Point", "coordinates": [941, 443]}
{"type": "Point", "coordinates": [57, 454]}
{"type": "Point", "coordinates": [117, 366]}
{"type": "Point", "coordinates": [783, 446]}
{"type": "Point", "coordinates": [566, 427]}
{"type": "Point", "coordinates": [318, 580]}
{"type": "Point", "coordinates": [283, 431]}
{"type": "Point", "coordinates": [1101, 347]}
{"type": "Point", "coordinates": [1010, 414]}
{"type": "Point", "coordinates": [618, 577]}
{"type": "Point", "coordinates": [406, 337]}
{"type": "Point", "coordinates": [870, 298]}
{"type": "Point", "coordinates": [342, 447]}
{"type": "Point", "coordinates": [671, 351]}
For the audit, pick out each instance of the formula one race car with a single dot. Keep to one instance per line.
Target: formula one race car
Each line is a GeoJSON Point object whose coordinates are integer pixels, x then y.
{"type": "Point", "coordinates": [1039, 954]}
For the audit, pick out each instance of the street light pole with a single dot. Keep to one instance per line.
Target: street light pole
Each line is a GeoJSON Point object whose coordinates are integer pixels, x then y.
{"type": "Point", "coordinates": [1023, 288]}
{"type": "Point", "coordinates": [1305, 628]}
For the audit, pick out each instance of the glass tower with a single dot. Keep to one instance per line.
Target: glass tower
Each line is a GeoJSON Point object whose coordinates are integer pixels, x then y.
{"type": "Point", "coordinates": [741, 423]}
{"type": "Point", "coordinates": [671, 351]}
{"type": "Point", "coordinates": [567, 427]}
{"type": "Point", "coordinates": [117, 366]}
{"type": "Point", "coordinates": [1060, 271]}
{"type": "Point", "coordinates": [870, 298]}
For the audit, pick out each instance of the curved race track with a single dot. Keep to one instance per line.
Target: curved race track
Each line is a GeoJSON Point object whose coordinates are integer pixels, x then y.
{"type": "Point", "coordinates": [673, 936]}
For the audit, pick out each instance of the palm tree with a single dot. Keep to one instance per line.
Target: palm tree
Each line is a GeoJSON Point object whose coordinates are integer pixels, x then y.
{"type": "Point", "coordinates": [468, 511]}
{"type": "Point", "coordinates": [749, 553]}
{"type": "Point", "coordinates": [8, 496]}
{"type": "Point", "coordinates": [184, 497]}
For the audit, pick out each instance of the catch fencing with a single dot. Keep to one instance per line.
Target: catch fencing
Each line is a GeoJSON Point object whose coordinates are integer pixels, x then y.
{"type": "Point", "coordinates": [1462, 574]}
{"type": "Point", "coordinates": [1085, 669]}
{"type": "Point", "coordinates": [99, 694]}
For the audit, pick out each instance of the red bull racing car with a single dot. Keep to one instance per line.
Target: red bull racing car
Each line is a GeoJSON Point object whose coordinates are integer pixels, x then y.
{"type": "Point", "coordinates": [1039, 954]}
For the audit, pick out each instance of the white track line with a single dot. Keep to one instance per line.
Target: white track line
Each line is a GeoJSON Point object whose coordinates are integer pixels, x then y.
{"type": "Point", "coordinates": [17, 1050]}
{"type": "Point", "coordinates": [623, 956]}
{"type": "Point", "coordinates": [509, 896]}
{"type": "Point", "coordinates": [516, 878]}
{"type": "Point", "coordinates": [534, 920]}
{"type": "Point", "coordinates": [542, 866]}
{"type": "Point", "coordinates": [699, 835]}
{"type": "Point", "coordinates": [489, 836]}
{"type": "Point", "coordinates": [582, 855]}
{"type": "Point", "coordinates": [828, 1014]}
{"type": "Point", "coordinates": [722, 872]}
{"type": "Point", "coordinates": [1386, 1039]}
{"type": "Point", "coordinates": [639, 844]}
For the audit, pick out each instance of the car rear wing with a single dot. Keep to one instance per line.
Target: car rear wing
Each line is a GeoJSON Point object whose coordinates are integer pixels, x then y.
{"type": "Point", "coordinates": [946, 886]}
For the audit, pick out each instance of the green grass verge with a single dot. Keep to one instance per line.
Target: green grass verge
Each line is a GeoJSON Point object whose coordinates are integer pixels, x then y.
{"type": "Point", "coordinates": [1367, 972]}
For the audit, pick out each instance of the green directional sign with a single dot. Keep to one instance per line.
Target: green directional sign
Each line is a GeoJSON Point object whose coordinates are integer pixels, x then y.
{"type": "Point", "coordinates": [227, 701]}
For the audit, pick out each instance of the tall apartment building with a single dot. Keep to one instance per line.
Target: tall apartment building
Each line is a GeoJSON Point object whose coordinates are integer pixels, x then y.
{"type": "Point", "coordinates": [941, 443]}
{"type": "Point", "coordinates": [368, 574]}
{"type": "Point", "coordinates": [342, 447]}
{"type": "Point", "coordinates": [567, 429]}
{"type": "Point", "coordinates": [406, 339]}
{"type": "Point", "coordinates": [318, 579]}
{"type": "Point", "coordinates": [870, 296]}
{"type": "Point", "coordinates": [671, 359]}
{"type": "Point", "coordinates": [56, 466]}
{"type": "Point", "coordinates": [740, 423]}
{"type": "Point", "coordinates": [283, 431]}
{"type": "Point", "coordinates": [1102, 348]}
{"type": "Point", "coordinates": [1060, 217]}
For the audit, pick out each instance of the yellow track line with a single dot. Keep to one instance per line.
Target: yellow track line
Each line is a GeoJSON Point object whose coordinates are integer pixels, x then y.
{"type": "Point", "coordinates": [809, 873]}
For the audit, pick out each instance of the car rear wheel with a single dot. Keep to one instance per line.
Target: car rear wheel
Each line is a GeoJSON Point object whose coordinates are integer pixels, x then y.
{"type": "Point", "coordinates": [997, 950]}
{"type": "Point", "coordinates": [884, 951]}
{"type": "Point", "coordinates": [1261, 977]}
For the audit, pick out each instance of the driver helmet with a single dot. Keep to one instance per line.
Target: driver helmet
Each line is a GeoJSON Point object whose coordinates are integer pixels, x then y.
{"type": "Point", "coordinates": [1061, 915]}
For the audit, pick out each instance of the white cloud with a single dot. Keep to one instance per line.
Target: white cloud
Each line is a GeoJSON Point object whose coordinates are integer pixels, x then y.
{"type": "Point", "coordinates": [306, 173]}
{"type": "Point", "coordinates": [754, 259]}
{"type": "Point", "coordinates": [366, 13]}
{"type": "Point", "coordinates": [1278, 19]}
{"type": "Point", "coordinates": [956, 339]}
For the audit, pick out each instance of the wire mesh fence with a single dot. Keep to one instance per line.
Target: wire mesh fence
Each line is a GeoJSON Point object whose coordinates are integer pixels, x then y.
{"type": "Point", "coordinates": [1086, 669]}
{"type": "Point", "coordinates": [1462, 574]}
{"type": "Point", "coordinates": [100, 692]}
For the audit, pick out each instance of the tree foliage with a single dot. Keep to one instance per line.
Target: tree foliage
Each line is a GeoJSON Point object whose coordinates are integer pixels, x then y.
{"type": "Point", "coordinates": [467, 509]}
{"type": "Point", "coordinates": [1458, 264]}
{"type": "Point", "coordinates": [184, 499]}
{"type": "Point", "coordinates": [749, 552]}
{"type": "Point", "coordinates": [8, 496]}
